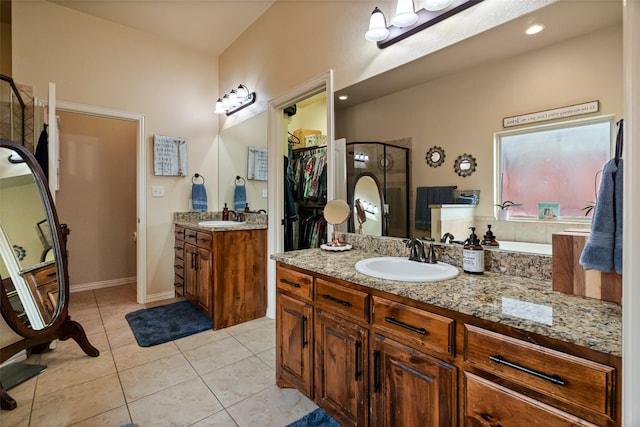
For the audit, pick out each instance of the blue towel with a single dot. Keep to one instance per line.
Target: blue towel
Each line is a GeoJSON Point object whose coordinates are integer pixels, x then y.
{"type": "Point", "coordinates": [198, 197]}
{"type": "Point", "coordinates": [603, 250]}
{"type": "Point", "coordinates": [426, 196]}
{"type": "Point", "coordinates": [240, 197]}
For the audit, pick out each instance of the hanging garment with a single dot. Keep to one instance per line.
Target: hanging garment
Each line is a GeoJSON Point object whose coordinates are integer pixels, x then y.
{"type": "Point", "coordinates": [42, 152]}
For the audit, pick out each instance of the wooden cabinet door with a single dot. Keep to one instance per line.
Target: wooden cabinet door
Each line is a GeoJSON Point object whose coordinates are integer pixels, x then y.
{"type": "Point", "coordinates": [410, 388]}
{"type": "Point", "coordinates": [341, 367]}
{"type": "Point", "coordinates": [190, 272]}
{"type": "Point", "coordinates": [204, 288]}
{"type": "Point", "coordinates": [294, 343]}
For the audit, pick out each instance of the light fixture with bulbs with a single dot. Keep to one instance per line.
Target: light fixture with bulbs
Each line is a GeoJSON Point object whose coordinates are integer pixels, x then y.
{"type": "Point", "coordinates": [407, 21]}
{"type": "Point", "coordinates": [235, 100]}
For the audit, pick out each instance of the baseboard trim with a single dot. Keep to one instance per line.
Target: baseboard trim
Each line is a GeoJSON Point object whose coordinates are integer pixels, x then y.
{"type": "Point", "coordinates": [101, 285]}
{"type": "Point", "coordinates": [160, 296]}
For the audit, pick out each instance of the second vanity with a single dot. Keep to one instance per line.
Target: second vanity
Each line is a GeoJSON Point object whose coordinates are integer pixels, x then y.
{"type": "Point", "coordinates": [476, 350]}
{"type": "Point", "coordinates": [221, 268]}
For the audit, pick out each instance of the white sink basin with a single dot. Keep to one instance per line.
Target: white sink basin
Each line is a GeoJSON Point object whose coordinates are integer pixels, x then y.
{"type": "Point", "coordinates": [220, 223]}
{"type": "Point", "coordinates": [403, 270]}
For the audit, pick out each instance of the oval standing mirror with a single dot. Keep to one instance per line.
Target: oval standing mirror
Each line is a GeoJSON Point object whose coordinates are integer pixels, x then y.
{"type": "Point", "coordinates": [368, 202]}
{"type": "Point", "coordinates": [34, 287]}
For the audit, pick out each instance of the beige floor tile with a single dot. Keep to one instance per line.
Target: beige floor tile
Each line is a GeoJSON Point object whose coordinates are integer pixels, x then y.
{"type": "Point", "coordinates": [131, 355]}
{"type": "Point", "coordinates": [83, 298]}
{"type": "Point", "coordinates": [69, 369]}
{"type": "Point", "coordinates": [155, 376]}
{"type": "Point", "coordinates": [116, 321]}
{"type": "Point", "coordinates": [91, 326]}
{"type": "Point", "coordinates": [77, 403]}
{"type": "Point", "coordinates": [121, 309]}
{"type": "Point", "coordinates": [70, 347]}
{"type": "Point", "coordinates": [216, 355]}
{"type": "Point", "coordinates": [200, 339]}
{"type": "Point", "coordinates": [269, 357]}
{"type": "Point", "coordinates": [115, 417]}
{"type": "Point", "coordinates": [239, 380]}
{"type": "Point", "coordinates": [23, 395]}
{"type": "Point", "coordinates": [220, 419]}
{"type": "Point", "coordinates": [259, 339]}
{"type": "Point", "coordinates": [247, 326]}
{"type": "Point", "coordinates": [84, 313]}
{"type": "Point", "coordinates": [120, 337]}
{"type": "Point", "coordinates": [180, 405]}
{"type": "Point", "coordinates": [273, 407]}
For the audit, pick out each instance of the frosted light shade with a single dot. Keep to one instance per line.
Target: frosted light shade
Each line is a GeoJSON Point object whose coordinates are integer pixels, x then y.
{"type": "Point", "coordinates": [220, 107]}
{"type": "Point", "coordinates": [405, 14]}
{"type": "Point", "coordinates": [377, 27]}
{"type": "Point", "coordinates": [434, 5]}
{"type": "Point", "coordinates": [242, 91]}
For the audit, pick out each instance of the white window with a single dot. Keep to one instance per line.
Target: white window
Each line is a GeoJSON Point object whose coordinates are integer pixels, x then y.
{"type": "Point", "coordinates": [552, 164]}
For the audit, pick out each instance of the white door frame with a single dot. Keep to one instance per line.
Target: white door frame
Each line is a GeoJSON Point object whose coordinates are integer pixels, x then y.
{"type": "Point", "coordinates": [141, 226]}
{"type": "Point", "coordinates": [276, 131]}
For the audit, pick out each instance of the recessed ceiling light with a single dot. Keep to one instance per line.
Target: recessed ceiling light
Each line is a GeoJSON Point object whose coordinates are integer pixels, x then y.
{"type": "Point", "coordinates": [534, 29]}
{"type": "Point", "coordinates": [343, 97]}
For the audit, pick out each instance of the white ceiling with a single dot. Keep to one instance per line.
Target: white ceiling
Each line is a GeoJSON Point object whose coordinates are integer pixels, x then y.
{"type": "Point", "coordinates": [208, 26]}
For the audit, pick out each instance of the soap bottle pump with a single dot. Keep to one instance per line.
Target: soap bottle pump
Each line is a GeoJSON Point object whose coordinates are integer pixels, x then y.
{"type": "Point", "coordinates": [489, 238]}
{"type": "Point", "coordinates": [473, 254]}
{"type": "Point", "coordinates": [225, 213]}
{"type": "Point", "coordinates": [246, 208]}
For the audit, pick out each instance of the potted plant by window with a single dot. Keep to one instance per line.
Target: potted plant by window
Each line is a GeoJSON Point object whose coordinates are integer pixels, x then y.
{"type": "Point", "coordinates": [503, 211]}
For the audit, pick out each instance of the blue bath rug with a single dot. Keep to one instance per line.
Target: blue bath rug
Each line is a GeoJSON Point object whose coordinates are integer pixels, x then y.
{"type": "Point", "coordinates": [317, 418]}
{"type": "Point", "coordinates": [157, 325]}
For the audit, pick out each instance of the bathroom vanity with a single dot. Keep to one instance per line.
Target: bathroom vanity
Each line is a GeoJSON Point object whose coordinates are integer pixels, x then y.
{"type": "Point", "coordinates": [222, 270]}
{"type": "Point", "coordinates": [485, 350]}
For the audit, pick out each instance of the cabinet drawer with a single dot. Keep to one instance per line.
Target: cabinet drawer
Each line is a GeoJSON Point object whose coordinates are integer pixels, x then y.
{"type": "Point", "coordinates": [294, 282]}
{"type": "Point", "coordinates": [489, 404]}
{"type": "Point", "coordinates": [178, 283]}
{"type": "Point", "coordinates": [558, 375]}
{"type": "Point", "coordinates": [190, 236]}
{"type": "Point", "coordinates": [178, 266]}
{"type": "Point", "coordinates": [179, 249]}
{"type": "Point", "coordinates": [336, 298]}
{"type": "Point", "coordinates": [413, 326]}
{"type": "Point", "coordinates": [179, 232]}
{"type": "Point", "coordinates": [203, 240]}
{"type": "Point", "coordinates": [45, 275]}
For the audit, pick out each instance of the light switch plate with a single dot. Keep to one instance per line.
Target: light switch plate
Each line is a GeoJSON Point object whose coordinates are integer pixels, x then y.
{"type": "Point", "coordinates": [157, 191]}
{"type": "Point", "coordinates": [265, 193]}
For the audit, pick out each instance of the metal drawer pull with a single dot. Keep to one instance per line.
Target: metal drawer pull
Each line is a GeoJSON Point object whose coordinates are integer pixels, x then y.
{"type": "Point", "coordinates": [551, 378]}
{"type": "Point", "coordinates": [302, 319]}
{"type": "Point", "coordinates": [358, 372]}
{"type": "Point", "coordinates": [52, 274]}
{"type": "Point", "coordinates": [339, 301]}
{"type": "Point", "coordinates": [287, 282]}
{"type": "Point", "coordinates": [191, 235]}
{"type": "Point", "coordinates": [177, 267]}
{"type": "Point", "coordinates": [178, 285]}
{"type": "Point", "coordinates": [393, 321]}
{"type": "Point", "coordinates": [488, 417]}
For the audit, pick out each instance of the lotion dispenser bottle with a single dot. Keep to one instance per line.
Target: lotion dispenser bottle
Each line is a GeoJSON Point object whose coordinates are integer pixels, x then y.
{"type": "Point", "coordinates": [473, 254]}
{"type": "Point", "coordinates": [489, 238]}
{"type": "Point", "coordinates": [225, 213]}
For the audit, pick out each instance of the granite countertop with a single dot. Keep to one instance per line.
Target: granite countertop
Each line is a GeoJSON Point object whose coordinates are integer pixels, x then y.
{"type": "Point", "coordinates": [244, 226]}
{"type": "Point", "coordinates": [523, 303]}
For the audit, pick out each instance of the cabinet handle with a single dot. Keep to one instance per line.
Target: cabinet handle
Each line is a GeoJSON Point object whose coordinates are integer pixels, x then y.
{"type": "Point", "coordinates": [376, 371]}
{"type": "Point", "coordinates": [303, 320]}
{"type": "Point", "coordinates": [191, 235]}
{"type": "Point", "coordinates": [488, 417]}
{"type": "Point", "coordinates": [336, 300]}
{"type": "Point", "coordinates": [177, 247]}
{"type": "Point", "coordinates": [178, 285]}
{"type": "Point", "coordinates": [551, 378]}
{"type": "Point", "coordinates": [177, 267]}
{"type": "Point", "coordinates": [52, 274]}
{"type": "Point", "coordinates": [358, 372]}
{"type": "Point", "coordinates": [393, 321]}
{"type": "Point", "coordinates": [290, 283]}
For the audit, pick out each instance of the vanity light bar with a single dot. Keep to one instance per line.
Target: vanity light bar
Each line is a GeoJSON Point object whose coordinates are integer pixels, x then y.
{"type": "Point", "coordinates": [235, 101]}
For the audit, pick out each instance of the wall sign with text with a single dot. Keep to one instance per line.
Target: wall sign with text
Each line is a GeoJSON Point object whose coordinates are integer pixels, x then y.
{"type": "Point", "coordinates": [556, 113]}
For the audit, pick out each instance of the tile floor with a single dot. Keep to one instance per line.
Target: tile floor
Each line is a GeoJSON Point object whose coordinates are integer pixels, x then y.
{"type": "Point", "coordinates": [214, 378]}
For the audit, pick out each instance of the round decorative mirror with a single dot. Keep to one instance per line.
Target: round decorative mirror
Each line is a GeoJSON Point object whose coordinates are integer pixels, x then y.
{"type": "Point", "coordinates": [335, 213]}
{"type": "Point", "coordinates": [435, 156]}
{"type": "Point", "coordinates": [385, 162]}
{"type": "Point", "coordinates": [34, 283]}
{"type": "Point", "coordinates": [465, 165]}
{"type": "Point", "coordinates": [368, 202]}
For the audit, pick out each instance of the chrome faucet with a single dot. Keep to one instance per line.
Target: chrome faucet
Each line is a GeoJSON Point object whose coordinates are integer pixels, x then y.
{"type": "Point", "coordinates": [235, 215]}
{"type": "Point", "coordinates": [446, 236]}
{"type": "Point", "coordinates": [431, 256]}
{"type": "Point", "coordinates": [416, 250]}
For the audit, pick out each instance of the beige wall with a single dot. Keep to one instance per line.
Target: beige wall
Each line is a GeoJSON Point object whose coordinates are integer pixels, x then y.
{"type": "Point", "coordinates": [97, 197]}
{"type": "Point", "coordinates": [461, 112]}
{"type": "Point", "coordinates": [98, 63]}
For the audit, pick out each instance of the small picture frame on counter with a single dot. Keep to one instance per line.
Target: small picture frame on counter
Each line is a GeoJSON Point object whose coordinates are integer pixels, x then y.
{"type": "Point", "coordinates": [548, 211]}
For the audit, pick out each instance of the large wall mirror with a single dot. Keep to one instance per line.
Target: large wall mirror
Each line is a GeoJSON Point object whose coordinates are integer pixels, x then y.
{"type": "Point", "coordinates": [457, 98]}
{"type": "Point", "coordinates": [34, 291]}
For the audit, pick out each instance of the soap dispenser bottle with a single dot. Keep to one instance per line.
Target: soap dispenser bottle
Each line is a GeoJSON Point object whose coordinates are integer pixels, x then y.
{"type": "Point", "coordinates": [473, 254]}
{"type": "Point", "coordinates": [225, 213]}
{"type": "Point", "coordinates": [489, 238]}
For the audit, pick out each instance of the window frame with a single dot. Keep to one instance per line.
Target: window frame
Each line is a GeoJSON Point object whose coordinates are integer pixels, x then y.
{"type": "Point", "coordinates": [497, 152]}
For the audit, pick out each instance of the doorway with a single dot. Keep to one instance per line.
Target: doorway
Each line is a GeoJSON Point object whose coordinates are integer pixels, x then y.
{"type": "Point", "coordinates": [97, 198]}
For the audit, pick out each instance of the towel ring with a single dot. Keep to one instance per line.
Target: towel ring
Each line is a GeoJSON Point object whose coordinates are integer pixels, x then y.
{"type": "Point", "coordinates": [241, 179]}
{"type": "Point", "coordinates": [195, 178]}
